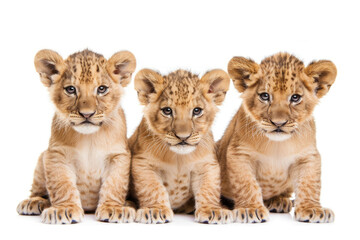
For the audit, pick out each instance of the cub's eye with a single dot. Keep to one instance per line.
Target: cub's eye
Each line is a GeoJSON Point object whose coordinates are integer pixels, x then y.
{"type": "Point", "coordinates": [197, 111]}
{"type": "Point", "coordinates": [265, 96]}
{"type": "Point", "coordinates": [167, 111]}
{"type": "Point", "coordinates": [295, 98]}
{"type": "Point", "coordinates": [102, 89]}
{"type": "Point", "coordinates": [70, 90]}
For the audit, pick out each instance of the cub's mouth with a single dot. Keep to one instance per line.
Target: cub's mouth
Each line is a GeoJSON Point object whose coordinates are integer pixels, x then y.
{"type": "Point", "coordinates": [278, 130]}
{"type": "Point", "coordinates": [86, 122]}
{"type": "Point", "coordinates": [86, 127]}
{"type": "Point", "coordinates": [91, 123]}
{"type": "Point", "coordinates": [277, 134]}
{"type": "Point", "coordinates": [182, 148]}
{"type": "Point", "coordinates": [182, 143]}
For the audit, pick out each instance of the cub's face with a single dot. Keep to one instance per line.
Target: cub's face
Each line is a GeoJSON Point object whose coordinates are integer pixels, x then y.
{"type": "Point", "coordinates": [85, 88]}
{"type": "Point", "coordinates": [280, 93]}
{"type": "Point", "coordinates": [180, 107]}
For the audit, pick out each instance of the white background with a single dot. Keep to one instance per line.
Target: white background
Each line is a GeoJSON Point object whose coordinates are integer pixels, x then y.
{"type": "Point", "coordinates": [167, 35]}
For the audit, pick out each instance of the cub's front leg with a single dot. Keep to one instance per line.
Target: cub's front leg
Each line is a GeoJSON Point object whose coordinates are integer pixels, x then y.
{"type": "Point", "coordinates": [246, 192]}
{"type": "Point", "coordinates": [111, 207]}
{"type": "Point", "coordinates": [150, 192]}
{"type": "Point", "coordinates": [61, 185]}
{"type": "Point", "coordinates": [307, 174]}
{"type": "Point", "coordinates": [205, 181]}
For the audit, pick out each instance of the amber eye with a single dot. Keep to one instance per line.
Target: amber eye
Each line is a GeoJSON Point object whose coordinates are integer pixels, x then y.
{"type": "Point", "coordinates": [197, 111]}
{"type": "Point", "coordinates": [167, 111]}
{"type": "Point", "coordinates": [70, 90]}
{"type": "Point", "coordinates": [295, 98]}
{"type": "Point", "coordinates": [102, 89]}
{"type": "Point", "coordinates": [264, 96]}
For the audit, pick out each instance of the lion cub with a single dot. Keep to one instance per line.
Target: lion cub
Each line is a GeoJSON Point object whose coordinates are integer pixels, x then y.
{"type": "Point", "coordinates": [87, 164]}
{"type": "Point", "coordinates": [269, 149]}
{"type": "Point", "coordinates": [173, 151]}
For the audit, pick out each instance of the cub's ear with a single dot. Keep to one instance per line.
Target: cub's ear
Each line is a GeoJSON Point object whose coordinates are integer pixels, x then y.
{"type": "Point", "coordinates": [241, 71]}
{"type": "Point", "coordinates": [50, 65]}
{"type": "Point", "coordinates": [323, 73]}
{"type": "Point", "coordinates": [148, 85]}
{"type": "Point", "coordinates": [215, 85]}
{"type": "Point", "coordinates": [121, 66]}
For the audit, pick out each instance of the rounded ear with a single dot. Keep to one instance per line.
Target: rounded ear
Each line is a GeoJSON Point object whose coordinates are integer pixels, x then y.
{"type": "Point", "coordinates": [50, 65]}
{"type": "Point", "coordinates": [215, 85]}
{"type": "Point", "coordinates": [323, 73]}
{"type": "Point", "coordinates": [241, 70]}
{"type": "Point", "coordinates": [148, 84]}
{"type": "Point", "coordinates": [121, 66]}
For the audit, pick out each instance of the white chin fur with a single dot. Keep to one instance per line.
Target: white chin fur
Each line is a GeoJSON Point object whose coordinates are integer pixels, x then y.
{"type": "Point", "coordinates": [86, 128]}
{"type": "Point", "coordinates": [182, 149]}
{"type": "Point", "coordinates": [278, 137]}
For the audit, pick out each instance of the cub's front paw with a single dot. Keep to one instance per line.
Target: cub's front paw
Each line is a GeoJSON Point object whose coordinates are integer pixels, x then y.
{"type": "Point", "coordinates": [314, 214]}
{"type": "Point", "coordinates": [279, 204]}
{"type": "Point", "coordinates": [32, 206]}
{"type": "Point", "coordinates": [115, 214]}
{"type": "Point", "coordinates": [62, 215]}
{"type": "Point", "coordinates": [154, 215]}
{"type": "Point", "coordinates": [213, 215]}
{"type": "Point", "coordinates": [251, 215]}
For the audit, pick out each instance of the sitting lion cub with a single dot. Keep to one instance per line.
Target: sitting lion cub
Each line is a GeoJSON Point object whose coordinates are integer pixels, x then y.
{"type": "Point", "coordinates": [173, 151]}
{"type": "Point", "coordinates": [87, 164]}
{"type": "Point", "coordinates": [269, 149]}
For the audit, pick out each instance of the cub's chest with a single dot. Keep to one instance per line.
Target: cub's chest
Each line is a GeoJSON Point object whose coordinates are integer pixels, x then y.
{"type": "Point", "coordinates": [89, 165]}
{"type": "Point", "coordinates": [177, 182]}
{"type": "Point", "coordinates": [90, 161]}
{"type": "Point", "coordinates": [272, 174]}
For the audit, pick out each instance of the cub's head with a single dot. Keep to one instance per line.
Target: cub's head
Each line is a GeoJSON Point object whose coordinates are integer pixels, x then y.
{"type": "Point", "coordinates": [180, 107]}
{"type": "Point", "coordinates": [85, 88]}
{"type": "Point", "coordinates": [281, 93]}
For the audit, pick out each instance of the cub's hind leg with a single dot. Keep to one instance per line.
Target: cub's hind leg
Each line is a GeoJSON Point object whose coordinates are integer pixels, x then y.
{"type": "Point", "coordinates": [279, 204]}
{"type": "Point", "coordinates": [38, 200]}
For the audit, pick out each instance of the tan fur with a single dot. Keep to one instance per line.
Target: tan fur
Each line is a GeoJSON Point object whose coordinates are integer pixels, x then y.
{"type": "Point", "coordinates": [261, 165]}
{"type": "Point", "coordinates": [86, 170]}
{"type": "Point", "coordinates": [168, 176]}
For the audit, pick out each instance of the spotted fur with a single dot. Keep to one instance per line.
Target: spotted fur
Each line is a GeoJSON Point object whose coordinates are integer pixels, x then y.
{"type": "Point", "coordinates": [86, 166]}
{"type": "Point", "coordinates": [269, 149]}
{"type": "Point", "coordinates": [174, 165]}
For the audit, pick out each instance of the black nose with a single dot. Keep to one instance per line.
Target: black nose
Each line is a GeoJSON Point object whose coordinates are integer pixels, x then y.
{"type": "Point", "coordinates": [278, 124]}
{"type": "Point", "coordinates": [86, 114]}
